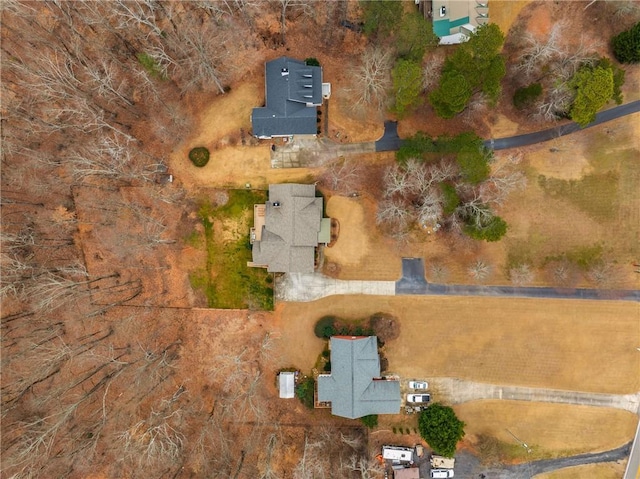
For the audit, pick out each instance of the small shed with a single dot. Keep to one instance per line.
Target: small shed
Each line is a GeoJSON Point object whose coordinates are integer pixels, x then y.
{"type": "Point", "coordinates": [287, 382]}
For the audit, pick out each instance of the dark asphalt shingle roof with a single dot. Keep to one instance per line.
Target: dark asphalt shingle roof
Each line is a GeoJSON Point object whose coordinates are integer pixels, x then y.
{"type": "Point", "coordinates": [290, 86]}
{"type": "Point", "coordinates": [290, 233]}
{"type": "Point", "coordinates": [352, 387]}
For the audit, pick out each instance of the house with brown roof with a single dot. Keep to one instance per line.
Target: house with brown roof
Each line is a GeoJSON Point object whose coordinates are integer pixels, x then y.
{"type": "Point", "coordinates": [288, 228]}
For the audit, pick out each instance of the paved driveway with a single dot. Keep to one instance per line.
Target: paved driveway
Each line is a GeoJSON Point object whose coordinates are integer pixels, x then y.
{"type": "Point", "coordinates": [561, 130]}
{"type": "Point", "coordinates": [414, 282]}
{"type": "Point", "coordinates": [390, 141]}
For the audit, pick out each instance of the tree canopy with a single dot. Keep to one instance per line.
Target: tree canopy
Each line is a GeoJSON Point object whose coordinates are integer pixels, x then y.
{"type": "Point", "coordinates": [491, 229]}
{"type": "Point", "coordinates": [440, 427]}
{"type": "Point", "coordinates": [452, 95]}
{"type": "Point", "coordinates": [407, 85]}
{"type": "Point", "coordinates": [481, 65]}
{"type": "Point", "coordinates": [626, 45]}
{"type": "Point", "coordinates": [594, 87]}
{"type": "Point", "coordinates": [415, 35]}
{"type": "Point", "coordinates": [380, 16]}
{"type": "Point", "coordinates": [474, 164]}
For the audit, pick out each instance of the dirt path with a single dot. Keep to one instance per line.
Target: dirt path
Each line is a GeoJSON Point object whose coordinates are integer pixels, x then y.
{"type": "Point", "coordinates": [458, 391]}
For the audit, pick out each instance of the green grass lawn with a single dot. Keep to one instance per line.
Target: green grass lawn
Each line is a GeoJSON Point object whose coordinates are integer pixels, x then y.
{"type": "Point", "coordinates": [225, 279]}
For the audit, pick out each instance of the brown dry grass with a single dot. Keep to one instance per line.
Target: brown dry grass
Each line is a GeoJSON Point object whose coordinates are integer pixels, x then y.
{"type": "Point", "coordinates": [541, 224]}
{"type": "Point", "coordinates": [548, 429]}
{"type": "Point", "coordinates": [360, 250]}
{"type": "Point", "coordinates": [609, 470]}
{"type": "Point", "coordinates": [233, 167]}
{"type": "Point", "coordinates": [505, 12]}
{"type": "Point", "coordinates": [538, 343]}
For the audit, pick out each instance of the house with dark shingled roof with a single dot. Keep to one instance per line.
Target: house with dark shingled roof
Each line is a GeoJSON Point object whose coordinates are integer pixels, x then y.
{"type": "Point", "coordinates": [293, 91]}
{"type": "Point", "coordinates": [288, 228]}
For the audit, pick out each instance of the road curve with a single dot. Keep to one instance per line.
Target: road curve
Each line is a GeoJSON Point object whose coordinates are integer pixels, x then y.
{"type": "Point", "coordinates": [390, 141]}
{"type": "Point", "coordinates": [561, 130]}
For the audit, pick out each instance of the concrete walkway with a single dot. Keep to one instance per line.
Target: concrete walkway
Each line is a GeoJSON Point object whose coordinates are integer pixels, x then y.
{"type": "Point", "coordinates": [304, 287]}
{"type": "Point", "coordinates": [457, 391]}
{"type": "Point", "coordinates": [304, 152]}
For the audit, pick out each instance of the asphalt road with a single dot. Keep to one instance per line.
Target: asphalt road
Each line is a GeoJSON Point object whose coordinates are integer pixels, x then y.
{"type": "Point", "coordinates": [469, 467]}
{"type": "Point", "coordinates": [633, 466]}
{"type": "Point", "coordinates": [414, 282]}
{"type": "Point", "coordinates": [390, 141]}
{"type": "Point", "coordinates": [561, 130]}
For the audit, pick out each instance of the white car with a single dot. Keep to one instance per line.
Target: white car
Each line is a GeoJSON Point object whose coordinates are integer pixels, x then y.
{"type": "Point", "coordinates": [414, 398]}
{"type": "Point", "coordinates": [418, 384]}
{"type": "Point", "coordinates": [441, 473]}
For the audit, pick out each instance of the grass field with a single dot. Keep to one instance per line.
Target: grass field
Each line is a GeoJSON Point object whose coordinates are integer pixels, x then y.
{"type": "Point", "coordinates": [561, 344]}
{"type": "Point", "coordinates": [225, 280]}
{"type": "Point", "coordinates": [609, 470]}
{"type": "Point", "coordinates": [549, 430]}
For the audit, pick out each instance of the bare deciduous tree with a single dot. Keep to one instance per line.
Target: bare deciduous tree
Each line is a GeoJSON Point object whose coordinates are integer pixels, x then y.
{"type": "Point", "coordinates": [431, 72]}
{"type": "Point", "coordinates": [343, 176]}
{"type": "Point", "coordinates": [372, 79]}
{"type": "Point", "coordinates": [521, 274]}
{"type": "Point", "coordinates": [479, 270]}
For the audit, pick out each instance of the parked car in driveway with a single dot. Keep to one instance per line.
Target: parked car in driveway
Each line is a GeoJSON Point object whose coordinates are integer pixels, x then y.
{"type": "Point", "coordinates": [441, 473]}
{"type": "Point", "coordinates": [413, 398]}
{"type": "Point", "coordinates": [418, 384]}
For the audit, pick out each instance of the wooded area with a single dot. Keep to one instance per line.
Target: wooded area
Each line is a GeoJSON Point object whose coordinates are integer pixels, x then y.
{"type": "Point", "coordinates": [97, 377]}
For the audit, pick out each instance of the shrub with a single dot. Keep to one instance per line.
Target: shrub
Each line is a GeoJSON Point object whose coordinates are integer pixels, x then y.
{"type": "Point", "coordinates": [385, 326]}
{"type": "Point", "coordinates": [395, 431]}
{"type": "Point", "coordinates": [312, 62]}
{"type": "Point", "coordinates": [626, 45]}
{"type": "Point", "coordinates": [370, 421]}
{"type": "Point", "coordinates": [150, 65]}
{"type": "Point", "coordinates": [305, 390]}
{"type": "Point", "coordinates": [451, 198]}
{"type": "Point", "coordinates": [199, 156]}
{"type": "Point", "coordinates": [492, 230]}
{"type": "Point", "coordinates": [525, 96]}
{"type": "Point", "coordinates": [325, 327]}
{"type": "Point", "coordinates": [327, 367]}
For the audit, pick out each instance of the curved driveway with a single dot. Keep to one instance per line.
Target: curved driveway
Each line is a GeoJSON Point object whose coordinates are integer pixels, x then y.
{"type": "Point", "coordinates": [561, 130]}
{"type": "Point", "coordinates": [469, 467]}
{"type": "Point", "coordinates": [390, 141]}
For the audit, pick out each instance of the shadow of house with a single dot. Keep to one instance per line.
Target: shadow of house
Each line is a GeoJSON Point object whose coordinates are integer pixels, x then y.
{"type": "Point", "coordinates": [354, 388]}
{"type": "Point", "coordinates": [293, 92]}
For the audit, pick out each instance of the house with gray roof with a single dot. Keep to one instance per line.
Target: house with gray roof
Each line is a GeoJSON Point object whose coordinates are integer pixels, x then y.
{"type": "Point", "coordinates": [293, 91]}
{"type": "Point", "coordinates": [354, 388]}
{"type": "Point", "coordinates": [288, 228]}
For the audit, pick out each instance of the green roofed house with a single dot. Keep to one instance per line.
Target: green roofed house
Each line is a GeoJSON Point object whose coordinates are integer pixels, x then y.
{"type": "Point", "coordinates": [293, 91]}
{"type": "Point", "coordinates": [455, 20]}
{"type": "Point", "coordinates": [354, 388]}
{"type": "Point", "coordinates": [288, 228]}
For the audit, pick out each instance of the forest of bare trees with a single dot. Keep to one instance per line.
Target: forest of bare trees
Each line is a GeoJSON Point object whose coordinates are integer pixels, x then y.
{"type": "Point", "coordinates": [94, 95]}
